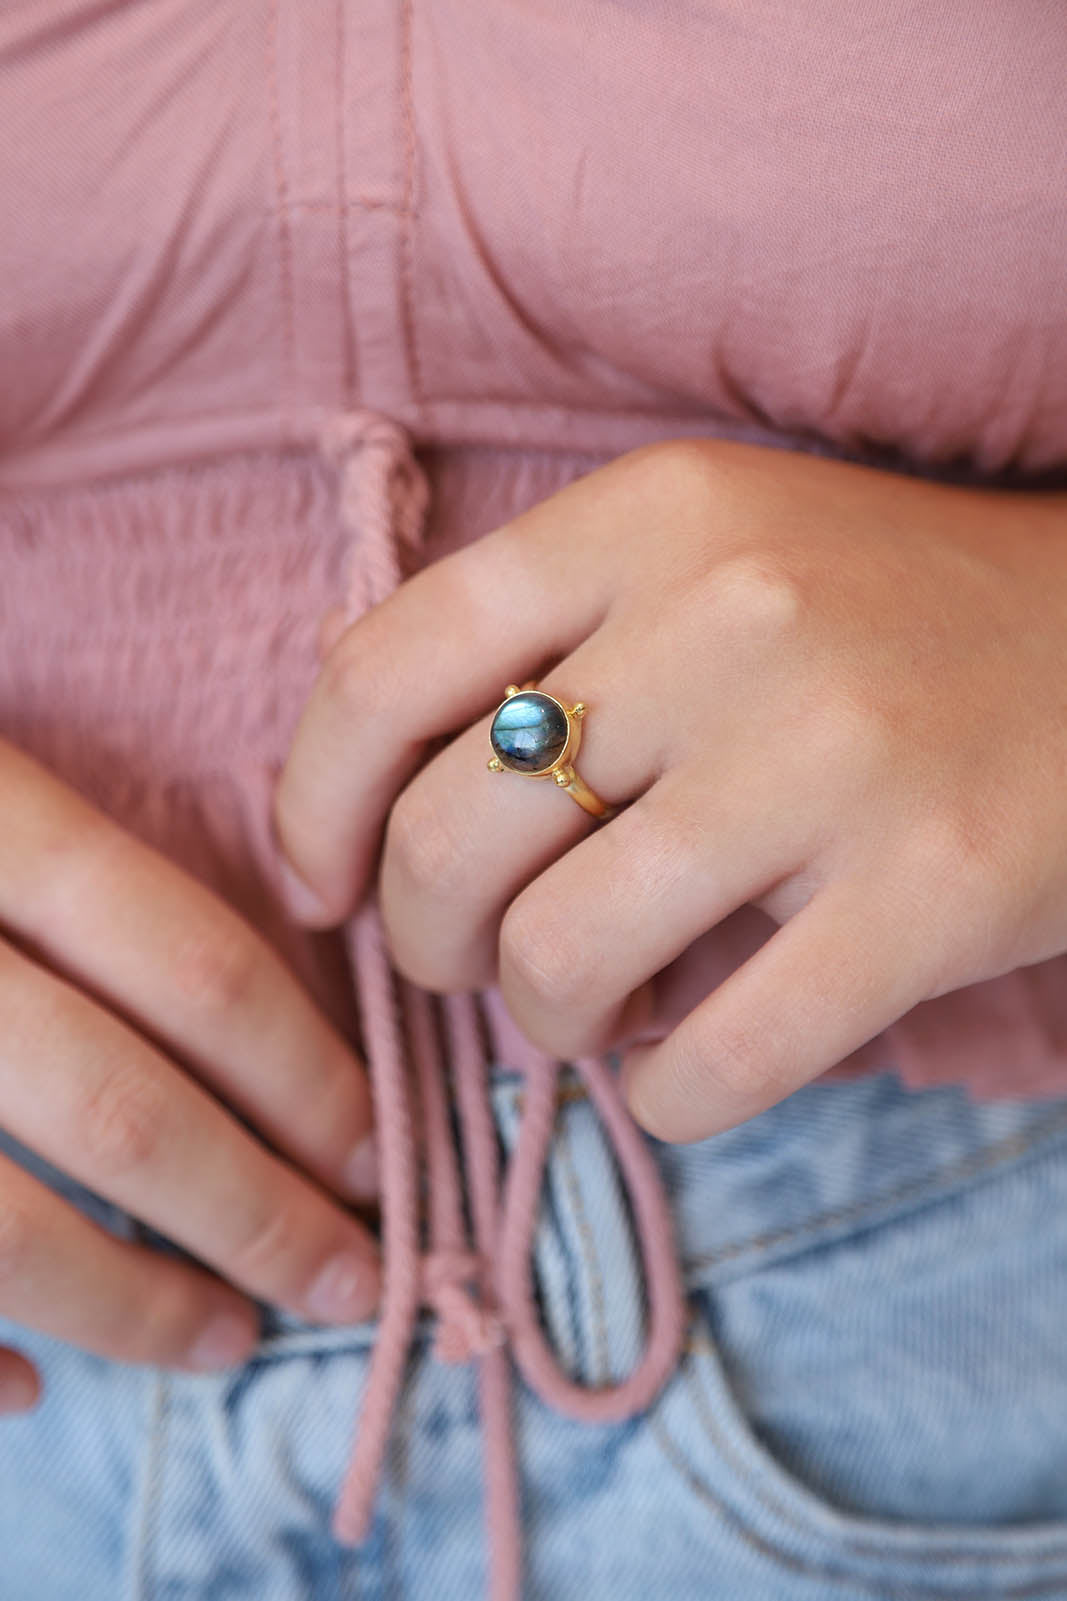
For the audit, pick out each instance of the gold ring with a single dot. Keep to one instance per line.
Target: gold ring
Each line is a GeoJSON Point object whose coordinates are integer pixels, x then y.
{"type": "Point", "coordinates": [538, 735]}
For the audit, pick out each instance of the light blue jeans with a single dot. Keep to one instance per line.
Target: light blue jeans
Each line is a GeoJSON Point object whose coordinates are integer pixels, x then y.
{"type": "Point", "coordinates": [873, 1404]}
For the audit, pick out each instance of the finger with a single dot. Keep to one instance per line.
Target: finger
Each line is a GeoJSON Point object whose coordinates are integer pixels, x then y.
{"type": "Point", "coordinates": [101, 1103]}
{"type": "Point", "coordinates": [20, 1383]}
{"type": "Point", "coordinates": [462, 841]}
{"type": "Point", "coordinates": [660, 1004]}
{"type": "Point", "coordinates": [425, 662]}
{"type": "Point", "coordinates": [130, 926]}
{"type": "Point", "coordinates": [846, 967]}
{"type": "Point", "coordinates": [63, 1276]}
{"type": "Point", "coordinates": [604, 918]}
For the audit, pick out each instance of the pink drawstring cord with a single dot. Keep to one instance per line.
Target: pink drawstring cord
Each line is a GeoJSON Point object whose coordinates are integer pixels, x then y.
{"type": "Point", "coordinates": [481, 1291]}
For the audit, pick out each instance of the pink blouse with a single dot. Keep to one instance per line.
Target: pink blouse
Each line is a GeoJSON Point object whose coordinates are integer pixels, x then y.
{"type": "Point", "coordinates": [527, 236]}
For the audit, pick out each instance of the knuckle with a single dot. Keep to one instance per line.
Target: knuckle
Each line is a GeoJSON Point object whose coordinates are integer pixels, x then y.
{"type": "Point", "coordinates": [79, 865]}
{"type": "Point", "coordinates": [215, 969]}
{"type": "Point", "coordinates": [477, 580]}
{"type": "Point", "coordinates": [685, 470]}
{"type": "Point", "coordinates": [953, 845]}
{"type": "Point", "coordinates": [343, 675]}
{"type": "Point", "coordinates": [123, 1123]}
{"type": "Point", "coordinates": [362, 677]}
{"type": "Point", "coordinates": [537, 954]}
{"type": "Point", "coordinates": [757, 596]}
{"type": "Point", "coordinates": [271, 1250]}
{"type": "Point", "coordinates": [17, 1233]}
{"type": "Point", "coordinates": [422, 847]}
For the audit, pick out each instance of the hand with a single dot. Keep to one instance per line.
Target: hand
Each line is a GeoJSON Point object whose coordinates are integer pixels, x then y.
{"type": "Point", "coordinates": [833, 693]}
{"type": "Point", "coordinates": [131, 996]}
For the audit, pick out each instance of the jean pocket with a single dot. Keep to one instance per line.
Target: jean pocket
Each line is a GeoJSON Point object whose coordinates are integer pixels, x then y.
{"type": "Point", "coordinates": [891, 1407]}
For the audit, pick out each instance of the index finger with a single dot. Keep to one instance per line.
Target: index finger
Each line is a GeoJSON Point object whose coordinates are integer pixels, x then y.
{"type": "Point", "coordinates": [426, 662]}
{"type": "Point", "coordinates": [172, 957]}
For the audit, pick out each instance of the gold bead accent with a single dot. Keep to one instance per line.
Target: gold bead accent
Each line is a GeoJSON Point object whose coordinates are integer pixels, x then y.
{"type": "Point", "coordinates": [512, 689]}
{"type": "Point", "coordinates": [495, 765]}
{"type": "Point", "coordinates": [563, 776]}
{"type": "Point", "coordinates": [579, 710]}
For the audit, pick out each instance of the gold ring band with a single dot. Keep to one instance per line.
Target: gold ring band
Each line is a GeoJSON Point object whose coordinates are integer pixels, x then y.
{"type": "Point", "coordinates": [577, 786]}
{"type": "Point", "coordinates": [537, 735]}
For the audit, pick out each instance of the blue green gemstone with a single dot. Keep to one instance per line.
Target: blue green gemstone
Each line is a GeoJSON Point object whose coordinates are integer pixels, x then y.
{"type": "Point", "coordinates": [529, 732]}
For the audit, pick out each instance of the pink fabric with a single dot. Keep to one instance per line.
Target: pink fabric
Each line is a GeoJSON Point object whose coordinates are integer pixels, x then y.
{"type": "Point", "coordinates": [226, 221]}
{"type": "Point", "coordinates": [254, 251]}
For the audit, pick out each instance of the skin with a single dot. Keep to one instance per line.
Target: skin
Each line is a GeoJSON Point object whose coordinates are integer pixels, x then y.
{"type": "Point", "coordinates": [140, 1013]}
{"type": "Point", "coordinates": [835, 693]}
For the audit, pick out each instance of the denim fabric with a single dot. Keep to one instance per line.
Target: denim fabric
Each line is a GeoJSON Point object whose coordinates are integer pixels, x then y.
{"type": "Point", "coordinates": [873, 1403]}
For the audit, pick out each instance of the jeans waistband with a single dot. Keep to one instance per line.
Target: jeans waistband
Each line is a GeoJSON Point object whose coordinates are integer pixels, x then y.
{"type": "Point", "coordinates": [832, 1158]}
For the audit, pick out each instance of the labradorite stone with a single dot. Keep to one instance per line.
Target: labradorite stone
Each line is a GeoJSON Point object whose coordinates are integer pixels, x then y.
{"type": "Point", "coordinates": [529, 732]}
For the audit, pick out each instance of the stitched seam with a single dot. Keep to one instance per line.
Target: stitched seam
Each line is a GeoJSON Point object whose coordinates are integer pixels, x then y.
{"type": "Point", "coordinates": [153, 1478]}
{"type": "Point", "coordinates": [780, 438]}
{"type": "Point", "coordinates": [281, 210]}
{"type": "Point", "coordinates": [856, 1543]}
{"type": "Point", "coordinates": [669, 1448]}
{"type": "Point", "coordinates": [407, 211]}
{"type": "Point", "coordinates": [1002, 1151]}
{"type": "Point", "coordinates": [348, 203]}
{"type": "Point", "coordinates": [880, 1589]}
{"type": "Point", "coordinates": [588, 1248]}
{"type": "Point", "coordinates": [460, 403]}
{"type": "Point", "coordinates": [853, 1542]}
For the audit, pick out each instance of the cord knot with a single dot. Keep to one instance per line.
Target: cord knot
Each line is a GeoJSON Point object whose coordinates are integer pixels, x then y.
{"type": "Point", "coordinates": [466, 1327]}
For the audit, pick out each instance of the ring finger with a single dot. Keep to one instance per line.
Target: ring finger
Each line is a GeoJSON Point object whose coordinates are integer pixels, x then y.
{"type": "Point", "coordinates": [461, 842]}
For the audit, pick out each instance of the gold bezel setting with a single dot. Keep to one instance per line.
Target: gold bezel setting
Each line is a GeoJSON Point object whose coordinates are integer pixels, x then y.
{"type": "Point", "coordinates": [560, 768]}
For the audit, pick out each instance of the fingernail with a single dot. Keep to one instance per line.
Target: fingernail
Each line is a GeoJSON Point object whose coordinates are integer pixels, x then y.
{"type": "Point", "coordinates": [361, 1169]}
{"type": "Point", "coordinates": [225, 1340]}
{"type": "Point", "coordinates": [300, 899]}
{"type": "Point", "coordinates": [346, 1291]}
